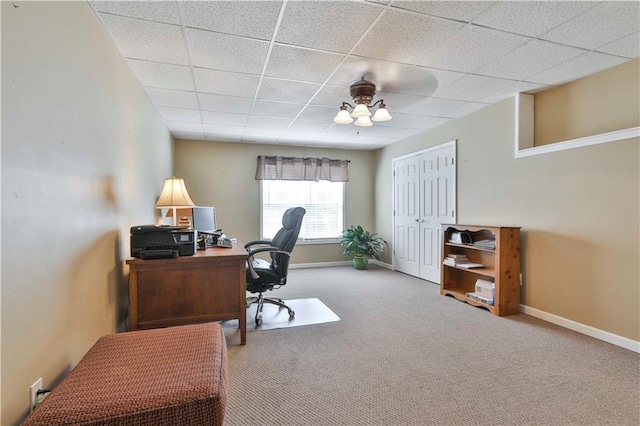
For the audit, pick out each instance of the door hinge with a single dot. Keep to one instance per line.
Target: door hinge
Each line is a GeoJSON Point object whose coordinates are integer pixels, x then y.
{"type": "Point", "coordinates": [452, 213]}
{"type": "Point", "coordinates": [452, 161]}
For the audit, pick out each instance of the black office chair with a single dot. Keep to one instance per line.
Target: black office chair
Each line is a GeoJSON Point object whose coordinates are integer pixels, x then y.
{"type": "Point", "coordinates": [262, 275]}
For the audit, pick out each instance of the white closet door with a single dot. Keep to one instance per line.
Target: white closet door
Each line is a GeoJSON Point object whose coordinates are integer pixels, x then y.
{"type": "Point", "coordinates": [424, 199]}
{"type": "Point", "coordinates": [437, 173]}
{"type": "Point", "coordinates": [406, 216]}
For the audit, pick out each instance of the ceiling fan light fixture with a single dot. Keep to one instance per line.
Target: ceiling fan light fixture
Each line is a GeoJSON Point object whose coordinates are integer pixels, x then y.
{"type": "Point", "coordinates": [343, 116]}
{"type": "Point", "coordinates": [363, 122]}
{"type": "Point", "coordinates": [361, 110]}
{"type": "Point", "coordinates": [362, 92]}
{"type": "Point", "coordinates": [381, 113]}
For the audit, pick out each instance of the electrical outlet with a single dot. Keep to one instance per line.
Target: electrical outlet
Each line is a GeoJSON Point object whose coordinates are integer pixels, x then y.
{"type": "Point", "coordinates": [33, 393]}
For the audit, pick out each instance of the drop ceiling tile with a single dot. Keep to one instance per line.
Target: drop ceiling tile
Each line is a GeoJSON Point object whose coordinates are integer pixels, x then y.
{"type": "Point", "coordinates": [220, 52]}
{"type": "Point", "coordinates": [396, 101]}
{"type": "Point", "coordinates": [179, 114]}
{"type": "Point", "coordinates": [159, 11]}
{"type": "Point", "coordinates": [147, 40]}
{"type": "Point", "coordinates": [276, 109]}
{"type": "Point", "coordinates": [405, 37]}
{"type": "Point", "coordinates": [224, 118]}
{"type": "Point", "coordinates": [300, 64]}
{"type": "Point", "coordinates": [334, 26]}
{"type": "Point", "coordinates": [444, 108]}
{"type": "Point", "coordinates": [255, 19]}
{"type": "Point", "coordinates": [578, 67]}
{"type": "Point", "coordinates": [606, 22]}
{"type": "Point", "coordinates": [381, 73]}
{"type": "Point", "coordinates": [173, 98]}
{"type": "Point", "coordinates": [458, 10]}
{"type": "Point", "coordinates": [222, 103]}
{"type": "Point", "coordinates": [194, 136]}
{"type": "Point", "coordinates": [222, 137]}
{"type": "Point", "coordinates": [319, 113]}
{"type": "Point", "coordinates": [163, 76]}
{"type": "Point", "coordinates": [472, 47]}
{"type": "Point", "coordinates": [413, 121]}
{"type": "Point", "coordinates": [253, 135]}
{"type": "Point", "coordinates": [225, 83]}
{"type": "Point", "coordinates": [532, 58]}
{"type": "Point", "coordinates": [388, 132]}
{"type": "Point", "coordinates": [269, 122]}
{"type": "Point", "coordinates": [286, 91]}
{"type": "Point", "coordinates": [181, 126]}
{"type": "Point", "coordinates": [331, 96]}
{"type": "Point", "coordinates": [344, 130]}
{"type": "Point", "coordinates": [310, 126]}
{"type": "Point", "coordinates": [629, 46]}
{"type": "Point", "coordinates": [215, 129]}
{"type": "Point", "coordinates": [473, 87]}
{"type": "Point", "coordinates": [423, 81]}
{"type": "Point", "coordinates": [301, 136]}
{"type": "Point", "coordinates": [531, 18]}
{"type": "Point", "coordinates": [508, 91]}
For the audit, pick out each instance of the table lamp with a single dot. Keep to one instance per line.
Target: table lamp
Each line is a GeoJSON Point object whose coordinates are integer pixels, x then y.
{"type": "Point", "coordinates": [174, 195]}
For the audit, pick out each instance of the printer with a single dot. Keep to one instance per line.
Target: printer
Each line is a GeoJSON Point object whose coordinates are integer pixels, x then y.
{"type": "Point", "coordinates": [162, 242]}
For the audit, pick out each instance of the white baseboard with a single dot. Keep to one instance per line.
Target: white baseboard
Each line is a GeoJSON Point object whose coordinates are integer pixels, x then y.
{"type": "Point", "coordinates": [337, 263]}
{"type": "Point", "coordinates": [596, 333]}
{"type": "Point", "coordinates": [383, 264]}
{"type": "Point", "coordinates": [320, 264]}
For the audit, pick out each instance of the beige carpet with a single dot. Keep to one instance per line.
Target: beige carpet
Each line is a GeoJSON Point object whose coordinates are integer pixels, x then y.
{"type": "Point", "coordinates": [404, 355]}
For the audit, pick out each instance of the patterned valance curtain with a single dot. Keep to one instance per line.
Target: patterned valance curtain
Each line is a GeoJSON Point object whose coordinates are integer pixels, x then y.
{"type": "Point", "coordinates": [295, 168]}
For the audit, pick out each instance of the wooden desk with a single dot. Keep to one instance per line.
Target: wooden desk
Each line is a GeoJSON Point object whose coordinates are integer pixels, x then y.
{"type": "Point", "coordinates": [208, 286]}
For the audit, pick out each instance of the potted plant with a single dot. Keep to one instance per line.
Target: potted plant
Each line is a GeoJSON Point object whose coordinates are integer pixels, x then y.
{"type": "Point", "coordinates": [360, 245]}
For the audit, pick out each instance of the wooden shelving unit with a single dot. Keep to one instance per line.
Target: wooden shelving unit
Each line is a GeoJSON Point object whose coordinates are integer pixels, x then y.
{"type": "Point", "coordinates": [501, 266]}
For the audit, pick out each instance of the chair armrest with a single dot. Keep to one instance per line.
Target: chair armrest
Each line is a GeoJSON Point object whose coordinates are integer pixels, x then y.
{"type": "Point", "coordinates": [272, 249]}
{"type": "Point", "coordinates": [257, 242]}
{"type": "Point", "coordinates": [269, 249]}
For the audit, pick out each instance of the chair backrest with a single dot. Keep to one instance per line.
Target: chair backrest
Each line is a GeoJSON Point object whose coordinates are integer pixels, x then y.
{"type": "Point", "coordinates": [286, 238]}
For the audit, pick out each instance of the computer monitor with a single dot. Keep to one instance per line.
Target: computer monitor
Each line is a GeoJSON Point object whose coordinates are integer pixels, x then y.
{"type": "Point", "coordinates": [204, 219]}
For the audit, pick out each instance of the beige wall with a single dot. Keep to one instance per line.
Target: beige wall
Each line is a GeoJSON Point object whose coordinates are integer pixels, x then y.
{"type": "Point", "coordinates": [84, 155]}
{"type": "Point", "coordinates": [599, 103]}
{"type": "Point", "coordinates": [578, 209]}
{"type": "Point", "coordinates": [222, 175]}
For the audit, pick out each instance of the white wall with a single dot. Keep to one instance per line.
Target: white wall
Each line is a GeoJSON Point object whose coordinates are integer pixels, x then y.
{"type": "Point", "coordinates": [84, 156]}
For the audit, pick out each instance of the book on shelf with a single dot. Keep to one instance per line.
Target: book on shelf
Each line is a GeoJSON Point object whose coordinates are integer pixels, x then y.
{"type": "Point", "coordinates": [469, 265]}
{"type": "Point", "coordinates": [480, 298]}
{"type": "Point", "coordinates": [449, 262]}
{"type": "Point", "coordinates": [485, 244]}
{"type": "Point", "coordinates": [457, 256]}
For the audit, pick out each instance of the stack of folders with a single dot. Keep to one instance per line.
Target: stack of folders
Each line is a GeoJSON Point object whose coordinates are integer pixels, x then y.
{"type": "Point", "coordinates": [460, 261]}
{"type": "Point", "coordinates": [485, 292]}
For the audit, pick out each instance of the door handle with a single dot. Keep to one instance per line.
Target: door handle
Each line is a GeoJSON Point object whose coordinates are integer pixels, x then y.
{"type": "Point", "coordinates": [416, 220]}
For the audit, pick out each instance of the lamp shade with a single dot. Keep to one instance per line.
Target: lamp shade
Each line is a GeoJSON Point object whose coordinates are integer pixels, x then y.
{"type": "Point", "coordinates": [174, 194]}
{"type": "Point", "coordinates": [381, 114]}
{"type": "Point", "coordinates": [361, 110]}
{"type": "Point", "coordinates": [363, 122]}
{"type": "Point", "coordinates": [343, 117]}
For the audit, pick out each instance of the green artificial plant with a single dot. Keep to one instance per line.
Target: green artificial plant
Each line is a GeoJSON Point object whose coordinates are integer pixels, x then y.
{"type": "Point", "coordinates": [361, 245]}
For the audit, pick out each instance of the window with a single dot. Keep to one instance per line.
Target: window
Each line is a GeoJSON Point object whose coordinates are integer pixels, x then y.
{"type": "Point", "coordinates": [323, 201]}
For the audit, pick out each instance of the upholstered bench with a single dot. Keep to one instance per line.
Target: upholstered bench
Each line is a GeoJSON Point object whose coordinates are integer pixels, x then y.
{"type": "Point", "coordinates": [169, 376]}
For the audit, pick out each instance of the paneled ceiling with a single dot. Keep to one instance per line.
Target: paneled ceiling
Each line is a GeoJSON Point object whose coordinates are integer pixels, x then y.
{"type": "Point", "coordinates": [277, 72]}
